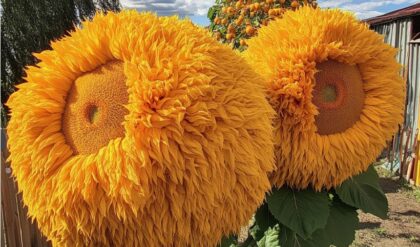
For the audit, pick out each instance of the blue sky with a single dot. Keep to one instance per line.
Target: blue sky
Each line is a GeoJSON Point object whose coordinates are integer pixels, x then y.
{"type": "Point", "coordinates": [196, 10]}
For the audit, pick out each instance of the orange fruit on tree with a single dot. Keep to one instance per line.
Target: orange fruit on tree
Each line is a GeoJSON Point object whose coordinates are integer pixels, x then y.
{"type": "Point", "coordinates": [230, 36]}
{"type": "Point", "coordinates": [253, 13]}
{"type": "Point", "coordinates": [249, 30]}
{"type": "Point", "coordinates": [231, 28]}
{"type": "Point", "coordinates": [230, 10]}
{"type": "Point", "coordinates": [216, 20]}
{"type": "Point", "coordinates": [239, 21]}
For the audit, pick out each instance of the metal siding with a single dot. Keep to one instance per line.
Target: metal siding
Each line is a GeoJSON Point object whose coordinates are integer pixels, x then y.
{"type": "Point", "coordinates": [397, 34]}
{"type": "Point", "coordinates": [414, 82]}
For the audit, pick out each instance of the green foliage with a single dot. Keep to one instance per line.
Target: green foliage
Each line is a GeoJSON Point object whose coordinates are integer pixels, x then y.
{"type": "Point", "coordinates": [289, 238]}
{"type": "Point", "coordinates": [28, 26]}
{"type": "Point", "coordinates": [228, 242]}
{"type": "Point", "coordinates": [263, 221]}
{"type": "Point", "coordinates": [301, 211]}
{"type": "Point", "coordinates": [380, 231]}
{"type": "Point", "coordinates": [270, 238]}
{"type": "Point", "coordinates": [306, 218]}
{"type": "Point", "coordinates": [363, 191]}
{"type": "Point", "coordinates": [341, 227]}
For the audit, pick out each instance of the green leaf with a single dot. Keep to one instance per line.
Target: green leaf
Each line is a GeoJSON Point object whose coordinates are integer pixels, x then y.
{"type": "Point", "coordinates": [263, 220]}
{"type": "Point", "coordinates": [271, 238]}
{"type": "Point", "coordinates": [341, 226]}
{"type": "Point", "coordinates": [339, 231]}
{"type": "Point", "coordinates": [211, 13]}
{"type": "Point", "coordinates": [289, 238]}
{"type": "Point", "coordinates": [363, 191]}
{"type": "Point", "coordinates": [228, 242]}
{"type": "Point", "coordinates": [302, 211]}
{"type": "Point", "coordinates": [212, 26]}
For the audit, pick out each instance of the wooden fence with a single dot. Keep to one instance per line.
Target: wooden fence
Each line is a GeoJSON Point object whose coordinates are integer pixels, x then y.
{"type": "Point", "coordinates": [16, 229]}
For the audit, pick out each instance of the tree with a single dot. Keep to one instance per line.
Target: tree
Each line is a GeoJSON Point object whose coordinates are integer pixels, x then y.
{"type": "Point", "coordinates": [234, 21]}
{"type": "Point", "coordinates": [28, 26]}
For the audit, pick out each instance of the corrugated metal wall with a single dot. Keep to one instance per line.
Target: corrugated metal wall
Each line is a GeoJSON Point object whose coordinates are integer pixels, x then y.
{"type": "Point", "coordinates": [413, 90]}
{"type": "Point", "coordinates": [398, 34]}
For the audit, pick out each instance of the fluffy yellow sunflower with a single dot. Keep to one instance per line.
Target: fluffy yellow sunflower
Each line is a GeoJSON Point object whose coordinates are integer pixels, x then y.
{"type": "Point", "coordinates": [336, 90]}
{"type": "Point", "coordinates": [140, 131]}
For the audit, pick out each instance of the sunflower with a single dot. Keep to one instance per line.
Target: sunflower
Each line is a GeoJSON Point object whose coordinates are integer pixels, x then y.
{"type": "Point", "coordinates": [140, 131]}
{"type": "Point", "coordinates": [336, 88]}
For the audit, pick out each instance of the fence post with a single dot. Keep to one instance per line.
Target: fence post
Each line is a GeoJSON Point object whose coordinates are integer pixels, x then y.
{"type": "Point", "coordinates": [17, 228]}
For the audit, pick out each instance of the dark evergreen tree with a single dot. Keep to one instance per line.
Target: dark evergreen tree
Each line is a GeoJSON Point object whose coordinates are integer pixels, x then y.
{"type": "Point", "coordinates": [28, 26]}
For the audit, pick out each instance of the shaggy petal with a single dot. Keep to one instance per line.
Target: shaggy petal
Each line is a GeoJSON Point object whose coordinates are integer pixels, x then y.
{"type": "Point", "coordinates": [192, 163]}
{"type": "Point", "coordinates": [286, 53]}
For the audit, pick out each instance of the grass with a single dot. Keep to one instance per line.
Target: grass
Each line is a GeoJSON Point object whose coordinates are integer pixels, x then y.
{"type": "Point", "coordinates": [382, 172]}
{"type": "Point", "coordinates": [410, 191]}
{"type": "Point", "coordinates": [405, 187]}
{"type": "Point", "coordinates": [414, 239]}
{"type": "Point", "coordinates": [380, 231]}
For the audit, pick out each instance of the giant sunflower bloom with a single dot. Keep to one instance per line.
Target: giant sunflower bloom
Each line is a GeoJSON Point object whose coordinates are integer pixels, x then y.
{"type": "Point", "coordinates": [140, 131]}
{"type": "Point", "coordinates": [335, 87]}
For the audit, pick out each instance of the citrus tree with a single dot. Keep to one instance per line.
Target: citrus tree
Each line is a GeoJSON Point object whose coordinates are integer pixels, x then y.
{"type": "Point", "coordinates": [234, 21]}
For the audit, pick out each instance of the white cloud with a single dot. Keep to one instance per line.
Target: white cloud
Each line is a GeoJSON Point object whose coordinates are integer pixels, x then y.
{"type": "Point", "coordinates": [364, 9]}
{"type": "Point", "coordinates": [333, 3]}
{"type": "Point", "coordinates": [368, 14]}
{"type": "Point", "coordinates": [170, 7]}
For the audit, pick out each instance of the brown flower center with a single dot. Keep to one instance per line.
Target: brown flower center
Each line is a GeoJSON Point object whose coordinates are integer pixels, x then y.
{"type": "Point", "coordinates": [339, 96]}
{"type": "Point", "coordinates": [95, 108]}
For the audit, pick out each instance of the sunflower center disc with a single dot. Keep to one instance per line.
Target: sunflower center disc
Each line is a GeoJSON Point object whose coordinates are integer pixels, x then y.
{"type": "Point", "coordinates": [329, 93]}
{"type": "Point", "coordinates": [95, 110]}
{"type": "Point", "coordinates": [339, 96]}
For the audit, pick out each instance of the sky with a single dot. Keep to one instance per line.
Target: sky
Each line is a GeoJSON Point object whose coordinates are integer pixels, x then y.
{"type": "Point", "coordinates": [196, 10]}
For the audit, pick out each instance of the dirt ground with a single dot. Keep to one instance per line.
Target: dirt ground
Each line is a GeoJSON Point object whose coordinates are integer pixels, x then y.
{"type": "Point", "coordinates": [402, 228]}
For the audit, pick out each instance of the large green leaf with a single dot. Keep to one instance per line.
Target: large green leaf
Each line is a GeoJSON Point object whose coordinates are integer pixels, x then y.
{"type": "Point", "coordinates": [289, 238]}
{"type": "Point", "coordinates": [271, 238]}
{"type": "Point", "coordinates": [363, 191]}
{"type": "Point", "coordinates": [263, 221]}
{"type": "Point", "coordinates": [302, 211]}
{"type": "Point", "coordinates": [341, 226]}
{"type": "Point", "coordinates": [339, 230]}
